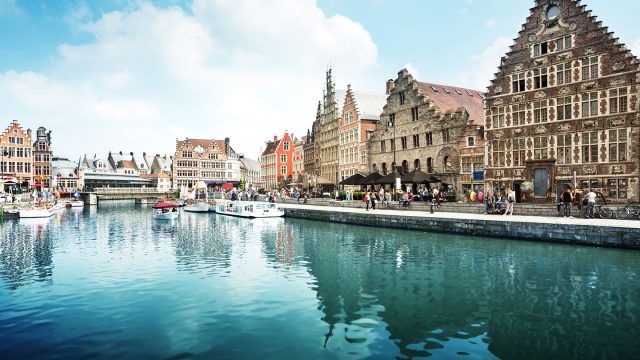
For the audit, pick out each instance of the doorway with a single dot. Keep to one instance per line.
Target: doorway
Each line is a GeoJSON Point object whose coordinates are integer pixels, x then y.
{"type": "Point", "coordinates": [540, 182]}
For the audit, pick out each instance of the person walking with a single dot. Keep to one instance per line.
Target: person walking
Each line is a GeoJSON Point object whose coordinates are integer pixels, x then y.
{"type": "Point", "coordinates": [373, 200]}
{"type": "Point", "coordinates": [366, 200]}
{"type": "Point", "coordinates": [566, 202]}
{"type": "Point", "coordinates": [436, 196]}
{"type": "Point", "coordinates": [511, 199]}
{"type": "Point", "coordinates": [591, 203]}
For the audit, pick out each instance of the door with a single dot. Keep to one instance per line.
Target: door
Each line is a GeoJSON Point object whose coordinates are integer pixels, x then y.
{"type": "Point", "coordinates": [540, 178]}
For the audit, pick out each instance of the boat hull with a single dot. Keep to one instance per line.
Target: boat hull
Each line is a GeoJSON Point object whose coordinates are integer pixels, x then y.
{"type": "Point", "coordinates": [166, 216]}
{"type": "Point", "coordinates": [35, 213]}
{"type": "Point", "coordinates": [250, 209]}
{"type": "Point", "coordinates": [197, 208]}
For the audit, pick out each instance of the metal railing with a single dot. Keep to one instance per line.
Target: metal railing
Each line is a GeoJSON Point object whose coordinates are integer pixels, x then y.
{"type": "Point", "coordinates": [106, 190]}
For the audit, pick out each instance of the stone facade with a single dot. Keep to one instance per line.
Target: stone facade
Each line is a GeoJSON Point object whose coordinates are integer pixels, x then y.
{"type": "Point", "coordinates": [212, 161]}
{"type": "Point", "coordinates": [251, 173]}
{"type": "Point", "coordinates": [312, 152]}
{"type": "Point", "coordinates": [329, 134]}
{"type": "Point", "coordinates": [563, 107]}
{"type": "Point", "coordinates": [428, 122]}
{"type": "Point", "coordinates": [360, 114]}
{"type": "Point", "coordinates": [16, 153]}
{"type": "Point", "coordinates": [42, 155]}
{"type": "Point", "coordinates": [67, 176]}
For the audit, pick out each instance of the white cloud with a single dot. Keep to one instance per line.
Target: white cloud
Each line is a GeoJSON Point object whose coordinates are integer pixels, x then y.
{"type": "Point", "coordinates": [490, 23]}
{"type": "Point", "coordinates": [243, 69]}
{"type": "Point", "coordinates": [412, 70]}
{"type": "Point", "coordinates": [485, 65]}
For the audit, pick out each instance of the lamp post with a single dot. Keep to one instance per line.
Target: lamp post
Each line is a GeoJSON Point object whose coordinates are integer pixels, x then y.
{"type": "Point", "coordinates": [392, 123]}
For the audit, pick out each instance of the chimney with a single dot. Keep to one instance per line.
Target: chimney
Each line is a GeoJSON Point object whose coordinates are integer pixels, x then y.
{"type": "Point", "coordinates": [120, 153]}
{"type": "Point", "coordinates": [389, 86]}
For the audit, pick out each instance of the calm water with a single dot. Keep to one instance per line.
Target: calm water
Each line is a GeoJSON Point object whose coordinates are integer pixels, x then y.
{"type": "Point", "coordinates": [112, 283]}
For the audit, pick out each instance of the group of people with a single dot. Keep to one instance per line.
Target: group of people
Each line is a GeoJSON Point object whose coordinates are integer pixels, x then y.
{"type": "Point", "coordinates": [570, 198]}
{"type": "Point", "coordinates": [495, 202]}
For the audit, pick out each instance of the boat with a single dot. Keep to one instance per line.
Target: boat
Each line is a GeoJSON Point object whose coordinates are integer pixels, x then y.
{"type": "Point", "coordinates": [199, 207]}
{"type": "Point", "coordinates": [165, 211]}
{"type": "Point", "coordinates": [58, 207]}
{"type": "Point", "coordinates": [76, 203]}
{"type": "Point", "coordinates": [38, 212]}
{"type": "Point", "coordinates": [250, 209]}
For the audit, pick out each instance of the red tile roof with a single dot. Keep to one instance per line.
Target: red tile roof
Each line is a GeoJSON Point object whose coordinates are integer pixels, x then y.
{"type": "Point", "coordinates": [271, 148]}
{"type": "Point", "coordinates": [450, 98]}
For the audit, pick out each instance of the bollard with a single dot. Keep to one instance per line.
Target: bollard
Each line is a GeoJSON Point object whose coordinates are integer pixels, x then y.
{"type": "Point", "coordinates": [431, 208]}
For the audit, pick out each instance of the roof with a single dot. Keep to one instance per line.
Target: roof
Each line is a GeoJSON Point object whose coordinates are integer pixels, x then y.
{"type": "Point", "coordinates": [64, 167]}
{"type": "Point", "coordinates": [251, 164]}
{"type": "Point", "coordinates": [451, 98]}
{"type": "Point", "coordinates": [154, 176]}
{"type": "Point", "coordinates": [271, 148]}
{"type": "Point", "coordinates": [112, 176]}
{"type": "Point", "coordinates": [205, 143]}
{"type": "Point", "coordinates": [369, 105]}
{"type": "Point", "coordinates": [128, 164]}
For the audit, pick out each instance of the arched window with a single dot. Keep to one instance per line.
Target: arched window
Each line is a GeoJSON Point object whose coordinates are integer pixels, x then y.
{"type": "Point", "coordinates": [374, 168]}
{"type": "Point", "coordinates": [446, 164]}
{"type": "Point", "coordinates": [429, 165]}
{"type": "Point", "coordinates": [405, 166]}
{"type": "Point", "coordinates": [416, 164]}
{"type": "Point", "coordinates": [384, 168]}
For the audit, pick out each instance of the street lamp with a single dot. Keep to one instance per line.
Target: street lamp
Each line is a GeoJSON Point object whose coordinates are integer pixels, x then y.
{"type": "Point", "coordinates": [392, 124]}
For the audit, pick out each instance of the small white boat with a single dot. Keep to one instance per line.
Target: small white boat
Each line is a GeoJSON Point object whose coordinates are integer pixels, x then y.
{"type": "Point", "coordinates": [200, 207]}
{"type": "Point", "coordinates": [165, 211]}
{"type": "Point", "coordinates": [35, 213]}
{"type": "Point", "coordinates": [58, 207]}
{"type": "Point", "coordinates": [250, 209]}
{"type": "Point", "coordinates": [77, 203]}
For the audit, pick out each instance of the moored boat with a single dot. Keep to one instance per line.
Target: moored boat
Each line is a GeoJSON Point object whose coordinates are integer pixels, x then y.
{"type": "Point", "coordinates": [199, 207]}
{"type": "Point", "coordinates": [77, 203]}
{"type": "Point", "coordinates": [38, 212]}
{"type": "Point", "coordinates": [250, 209]}
{"type": "Point", "coordinates": [165, 211]}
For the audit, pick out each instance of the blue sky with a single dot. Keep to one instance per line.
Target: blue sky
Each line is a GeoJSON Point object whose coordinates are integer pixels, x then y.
{"type": "Point", "coordinates": [134, 75]}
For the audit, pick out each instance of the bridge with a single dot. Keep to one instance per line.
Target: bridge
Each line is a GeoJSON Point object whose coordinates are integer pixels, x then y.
{"type": "Point", "coordinates": [106, 194]}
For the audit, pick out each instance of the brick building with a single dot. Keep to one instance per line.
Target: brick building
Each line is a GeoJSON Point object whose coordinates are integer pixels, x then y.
{"type": "Point", "coordinates": [360, 114]}
{"type": "Point", "coordinates": [277, 162]}
{"type": "Point", "coordinates": [42, 156]}
{"type": "Point", "coordinates": [16, 156]}
{"type": "Point", "coordinates": [563, 107]}
{"type": "Point", "coordinates": [434, 128]}
{"type": "Point", "coordinates": [298, 160]}
{"type": "Point", "coordinates": [311, 151]}
{"type": "Point", "coordinates": [212, 161]}
{"type": "Point", "coordinates": [329, 134]}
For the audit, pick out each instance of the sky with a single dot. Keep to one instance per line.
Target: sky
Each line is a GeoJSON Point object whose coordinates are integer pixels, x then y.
{"type": "Point", "coordinates": [135, 75]}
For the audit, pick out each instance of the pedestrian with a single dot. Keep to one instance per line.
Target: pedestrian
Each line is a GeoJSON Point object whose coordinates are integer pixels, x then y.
{"type": "Point", "coordinates": [366, 200]}
{"type": "Point", "coordinates": [511, 200]}
{"type": "Point", "coordinates": [488, 204]}
{"type": "Point", "coordinates": [436, 196]}
{"type": "Point", "coordinates": [566, 201]}
{"type": "Point", "coordinates": [591, 203]}
{"type": "Point", "coordinates": [425, 194]}
{"type": "Point", "coordinates": [373, 200]}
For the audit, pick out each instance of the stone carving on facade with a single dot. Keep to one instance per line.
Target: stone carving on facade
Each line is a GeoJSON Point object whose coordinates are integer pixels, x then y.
{"type": "Point", "coordinates": [540, 130]}
{"type": "Point", "coordinates": [517, 98]}
{"type": "Point", "coordinates": [517, 173]}
{"type": "Point", "coordinates": [589, 123]}
{"type": "Point", "coordinates": [589, 85]}
{"type": "Point", "coordinates": [539, 94]}
{"type": "Point", "coordinates": [518, 131]}
{"type": "Point", "coordinates": [499, 174]}
{"type": "Point", "coordinates": [573, 26]}
{"type": "Point", "coordinates": [618, 66]}
{"type": "Point", "coordinates": [564, 91]}
{"type": "Point", "coordinates": [589, 51]}
{"type": "Point", "coordinates": [498, 135]}
{"type": "Point", "coordinates": [589, 169]}
{"type": "Point", "coordinates": [603, 153]}
{"type": "Point", "coordinates": [518, 67]}
{"type": "Point", "coordinates": [564, 127]}
{"type": "Point", "coordinates": [565, 56]}
{"type": "Point", "coordinates": [618, 82]}
{"type": "Point", "coordinates": [497, 89]}
{"type": "Point", "coordinates": [498, 102]}
{"type": "Point", "coordinates": [564, 170]}
{"type": "Point", "coordinates": [532, 37]}
{"type": "Point", "coordinates": [541, 61]}
{"type": "Point", "coordinates": [618, 169]}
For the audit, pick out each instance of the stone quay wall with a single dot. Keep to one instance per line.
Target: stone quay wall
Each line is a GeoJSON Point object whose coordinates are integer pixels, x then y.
{"type": "Point", "coordinates": [581, 233]}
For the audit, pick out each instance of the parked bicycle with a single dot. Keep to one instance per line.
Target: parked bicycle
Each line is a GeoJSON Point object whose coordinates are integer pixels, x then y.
{"type": "Point", "coordinates": [628, 212]}
{"type": "Point", "coordinates": [601, 211]}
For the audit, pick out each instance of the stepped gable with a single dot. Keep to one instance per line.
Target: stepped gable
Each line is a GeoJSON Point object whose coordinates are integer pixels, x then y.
{"type": "Point", "coordinates": [205, 143]}
{"type": "Point", "coordinates": [452, 98]}
{"type": "Point", "coordinates": [271, 147]}
{"type": "Point", "coordinates": [573, 18]}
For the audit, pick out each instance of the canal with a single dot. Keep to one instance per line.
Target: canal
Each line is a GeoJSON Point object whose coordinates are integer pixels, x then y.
{"type": "Point", "coordinates": [110, 282]}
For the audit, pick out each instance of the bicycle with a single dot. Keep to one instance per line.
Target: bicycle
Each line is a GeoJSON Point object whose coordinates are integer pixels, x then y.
{"type": "Point", "coordinates": [602, 211]}
{"type": "Point", "coordinates": [628, 212]}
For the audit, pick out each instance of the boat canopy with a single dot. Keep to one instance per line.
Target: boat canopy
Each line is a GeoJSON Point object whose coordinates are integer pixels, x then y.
{"type": "Point", "coordinates": [164, 205]}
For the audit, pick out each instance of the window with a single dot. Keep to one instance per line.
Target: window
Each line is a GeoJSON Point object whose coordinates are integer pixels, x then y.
{"type": "Point", "coordinates": [286, 146]}
{"type": "Point", "coordinates": [564, 149]}
{"type": "Point", "coordinates": [540, 78]}
{"type": "Point", "coordinates": [471, 141]}
{"type": "Point", "coordinates": [618, 145]}
{"type": "Point", "coordinates": [590, 68]}
{"type": "Point", "coordinates": [590, 147]}
{"type": "Point", "coordinates": [445, 135]}
{"type": "Point", "coordinates": [403, 142]}
{"type": "Point", "coordinates": [564, 43]}
{"type": "Point", "coordinates": [563, 109]}
{"type": "Point", "coordinates": [414, 113]}
{"type": "Point", "coordinates": [518, 114]}
{"type": "Point", "coordinates": [383, 146]}
{"type": "Point", "coordinates": [617, 188]}
{"type": "Point", "coordinates": [42, 146]}
{"type": "Point", "coordinates": [392, 120]}
{"type": "Point", "coordinates": [416, 140]}
{"type": "Point", "coordinates": [283, 158]}
{"type": "Point", "coordinates": [540, 49]}
{"type": "Point", "coordinates": [590, 104]}
{"type": "Point", "coordinates": [12, 139]}
{"type": "Point", "coordinates": [402, 98]}
{"type": "Point", "coordinates": [540, 111]}
{"type": "Point", "coordinates": [467, 164]}
{"type": "Point", "coordinates": [213, 156]}
{"type": "Point", "coordinates": [429, 138]}
{"type": "Point", "coordinates": [498, 152]}
{"type": "Point", "coordinates": [618, 100]}
{"type": "Point", "coordinates": [563, 73]}
{"type": "Point", "coordinates": [498, 117]}
{"type": "Point", "coordinates": [20, 152]}
{"type": "Point", "coordinates": [518, 152]}
{"type": "Point", "coordinates": [393, 144]}
{"type": "Point", "coordinates": [20, 140]}
{"type": "Point", "coordinates": [187, 154]}
{"type": "Point", "coordinates": [283, 170]}
{"type": "Point", "coordinates": [517, 82]}
{"type": "Point", "coordinates": [540, 150]}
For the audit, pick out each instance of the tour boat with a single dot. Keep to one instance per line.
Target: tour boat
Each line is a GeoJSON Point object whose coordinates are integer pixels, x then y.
{"type": "Point", "coordinates": [200, 207]}
{"type": "Point", "coordinates": [38, 212]}
{"type": "Point", "coordinates": [165, 211]}
{"type": "Point", "coordinates": [250, 209]}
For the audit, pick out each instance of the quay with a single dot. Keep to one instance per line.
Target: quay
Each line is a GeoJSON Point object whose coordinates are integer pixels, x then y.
{"type": "Point", "coordinates": [594, 232]}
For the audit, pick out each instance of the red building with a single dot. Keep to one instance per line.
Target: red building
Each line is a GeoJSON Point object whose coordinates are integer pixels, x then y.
{"type": "Point", "coordinates": [277, 162]}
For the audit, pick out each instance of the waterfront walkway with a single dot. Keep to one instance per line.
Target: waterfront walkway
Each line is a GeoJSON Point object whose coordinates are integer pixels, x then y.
{"type": "Point", "coordinates": [615, 233]}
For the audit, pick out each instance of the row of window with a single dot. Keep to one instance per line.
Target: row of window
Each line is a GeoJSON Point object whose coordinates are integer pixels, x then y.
{"type": "Point", "coordinates": [189, 154]}
{"type": "Point", "coordinates": [10, 167]}
{"type": "Point", "coordinates": [16, 140]}
{"type": "Point", "coordinates": [561, 44]}
{"type": "Point", "coordinates": [415, 140]}
{"type": "Point", "coordinates": [589, 148]}
{"type": "Point", "coordinates": [589, 66]}
{"type": "Point", "coordinates": [618, 103]}
{"type": "Point", "coordinates": [38, 157]}
{"type": "Point", "coordinates": [348, 118]}
{"type": "Point", "coordinates": [16, 152]}
{"type": "Point", "coordinates": [350, 155]}
{"type": "Point", "coordinates": [349, 136]}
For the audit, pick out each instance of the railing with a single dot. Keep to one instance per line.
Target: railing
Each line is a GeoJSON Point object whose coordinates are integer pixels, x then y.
{"type": "Point", "coordinates": [105, 190]}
